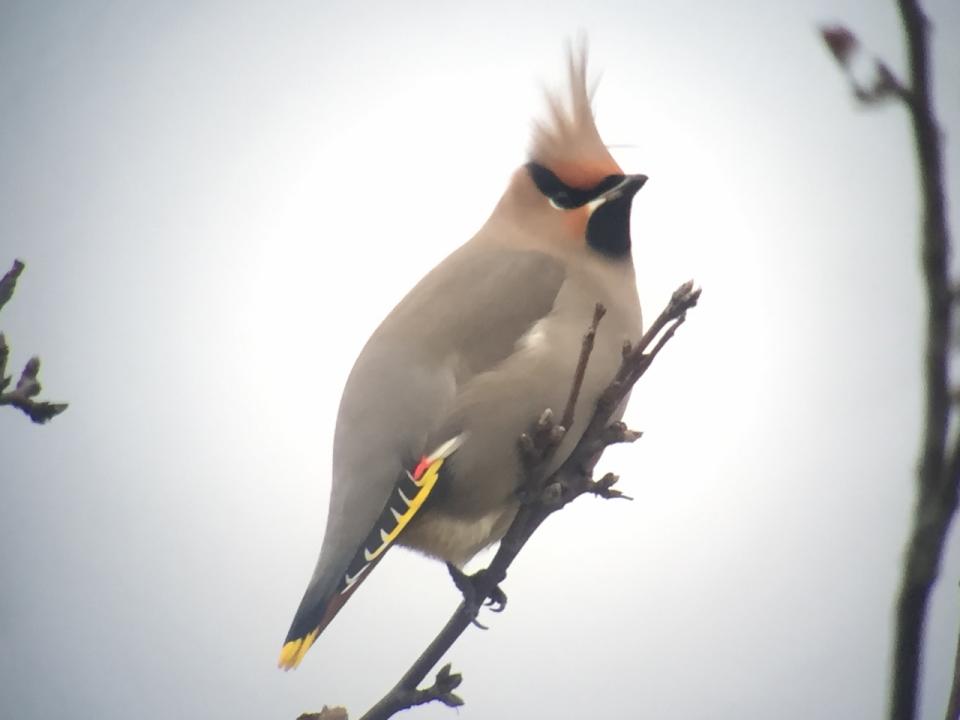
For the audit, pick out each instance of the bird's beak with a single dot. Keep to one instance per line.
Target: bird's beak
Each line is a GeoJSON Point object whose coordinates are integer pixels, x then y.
{"type": "Point", "coordinates": [626, 188]}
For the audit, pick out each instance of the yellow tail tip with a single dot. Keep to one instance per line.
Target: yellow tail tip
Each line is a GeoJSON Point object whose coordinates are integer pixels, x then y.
{"type": "Point", "coordinates": [293, 651]}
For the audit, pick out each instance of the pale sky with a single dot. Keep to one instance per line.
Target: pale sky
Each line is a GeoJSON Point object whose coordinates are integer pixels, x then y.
{"type": "Point", "coordinates": [218, 202]}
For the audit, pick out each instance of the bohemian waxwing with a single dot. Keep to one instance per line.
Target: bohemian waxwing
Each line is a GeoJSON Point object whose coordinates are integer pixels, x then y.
{"type": "Point", "coordinates": [425, 450]}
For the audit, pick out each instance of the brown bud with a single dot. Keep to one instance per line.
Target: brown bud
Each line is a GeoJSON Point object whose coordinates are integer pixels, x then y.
{"type": "Point", "coordinates": [841, 42]}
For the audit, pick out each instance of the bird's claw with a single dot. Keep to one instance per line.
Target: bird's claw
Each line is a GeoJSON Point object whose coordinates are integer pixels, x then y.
{"type": "Point", "coordinates": [473, 587]}
{"type": "Point", "coordinates": [497, 600]}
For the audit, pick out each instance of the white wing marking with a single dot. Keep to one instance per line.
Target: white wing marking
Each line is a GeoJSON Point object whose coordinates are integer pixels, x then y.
{"type": "Point", "coordinates": [351, 580]}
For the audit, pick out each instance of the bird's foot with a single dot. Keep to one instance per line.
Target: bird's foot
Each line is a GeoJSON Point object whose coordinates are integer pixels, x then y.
{"type": "Point", "coordinates": [477, 592]}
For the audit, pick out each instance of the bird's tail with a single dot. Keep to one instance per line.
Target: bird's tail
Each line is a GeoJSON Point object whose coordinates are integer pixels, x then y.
{"type": "Point", "coordinates": [330, 591]}
{"type": "Point", "coordinates": [316, 611]}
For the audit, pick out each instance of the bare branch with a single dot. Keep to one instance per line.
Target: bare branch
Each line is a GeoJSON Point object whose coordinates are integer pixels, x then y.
{"type": "Point", "coordinates": [537, 445]}
{"type": "Point", "coordinates": [405, 694]}
{"type": "Point", "coordinates": [28, 386]}
{"type": "Point", "coordinates": [604, 487]}
{"type": "Point", "coordinates": [38, 412]}
{"type": "Point", "coordinates": [327, 713]}
{"type": "Point", "coordinates": [8, 283]}
{"type": "Point", "coordinates": [587, 348]}
{"type": "Point", "coordinates": [4, 355]}
{"type": "Point", "coordinates": [937, 479]}
{"type": "Point", "coordinates": [884, 85]}
{"type": "Point", "coordinates": [545, 435]}
{"type": "Point", "coordinates": [635, 362]}
{"type": "Point", "coordinates": [842, 43]}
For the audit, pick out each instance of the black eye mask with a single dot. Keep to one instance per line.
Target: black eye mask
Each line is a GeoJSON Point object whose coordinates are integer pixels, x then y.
{"type": "Point", "coordinates": [564, 196]}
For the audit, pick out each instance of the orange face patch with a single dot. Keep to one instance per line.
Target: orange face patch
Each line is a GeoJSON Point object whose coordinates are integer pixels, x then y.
{"type": "Point", "coordinates": [585, 175]}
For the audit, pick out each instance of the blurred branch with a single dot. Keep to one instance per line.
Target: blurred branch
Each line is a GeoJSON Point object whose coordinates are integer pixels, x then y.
{"type": "Point", "coordinates": [8, 283]}
{"type": "Point", "coordinates": [541, 499]}
{"type": "Point", "coordinates": [884, 85]}
{"type": "Point", "coordinates": [327, 713]}
{"type": "Point", "coordinates": [953, 705]}
{"type": "Point", "coordinates": [938, 473]}
{"type": "Point", "coordinates": [28, 386]}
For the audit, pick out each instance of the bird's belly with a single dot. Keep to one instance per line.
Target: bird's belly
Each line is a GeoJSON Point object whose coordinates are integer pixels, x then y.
{"type": "Point", "coordinates": [454, 538]}
{"type": "Point", "coordinates": [472, 506]}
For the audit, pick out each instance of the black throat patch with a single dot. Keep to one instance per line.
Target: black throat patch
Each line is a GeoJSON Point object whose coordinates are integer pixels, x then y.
{"type": "Point", "coordinates": [608, 229]}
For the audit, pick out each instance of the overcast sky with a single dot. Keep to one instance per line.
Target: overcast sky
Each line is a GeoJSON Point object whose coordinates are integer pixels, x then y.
{"type": "Point", "coordinates": [218, 202]}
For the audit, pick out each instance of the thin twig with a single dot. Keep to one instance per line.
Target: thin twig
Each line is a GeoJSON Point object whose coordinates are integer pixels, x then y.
{"type": "Point", "coordinates": [883, 86]}
{"type": "Point", "coordinates": [635, 362]}
{"type": "Point", "coordinates": [327, 713]}
{"type": "Point", "coordinates": [569, 481]}
{"type": "Point", "coordinates": [544, 438]}
{"type": "Point", "coordinates": [585, 350]}
{"type": "Point", "coordinates": [405, 694]}
{"type": "Point", "coordinates": [28, 386]}
{"type": "Point", "coordinates": [8, 283]}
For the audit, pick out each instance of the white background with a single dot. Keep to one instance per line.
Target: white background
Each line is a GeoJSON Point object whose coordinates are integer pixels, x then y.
{"type": "Point", "coordinates": [217, 203]}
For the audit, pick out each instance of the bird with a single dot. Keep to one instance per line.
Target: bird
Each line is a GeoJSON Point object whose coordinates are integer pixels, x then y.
{"type": "Point", "coordinates": [425, 449]}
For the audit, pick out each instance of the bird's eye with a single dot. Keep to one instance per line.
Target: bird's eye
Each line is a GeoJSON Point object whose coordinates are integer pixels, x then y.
{"type": "Point", "coordinates": [560, 200]}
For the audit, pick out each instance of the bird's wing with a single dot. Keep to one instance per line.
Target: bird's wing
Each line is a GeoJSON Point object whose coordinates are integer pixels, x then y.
{"type": "Point", "coordinates": [464, 317]}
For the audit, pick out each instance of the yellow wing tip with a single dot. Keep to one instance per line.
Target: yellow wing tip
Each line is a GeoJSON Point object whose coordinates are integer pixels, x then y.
{"type": "Point", "coordinates": [292, 653]}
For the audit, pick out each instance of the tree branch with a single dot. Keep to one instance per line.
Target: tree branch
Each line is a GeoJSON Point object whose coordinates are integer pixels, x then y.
{"type": "Point", "coordinates": [28, 386]}
{"type": "Point", "coordinates": [936, 478]}
{"type": "Point", "coordinates": [586, 349]}
{"type": "Point", "coordinates": [8, 283]}
{"type": "Point", "coordinates": [327, 713]}
{"type": "Point", "coordinates": [884, 85]}
{"type": "Point", "coordinates": [572, 479]}
{"type": "Point", "coordinates": [937, 475]}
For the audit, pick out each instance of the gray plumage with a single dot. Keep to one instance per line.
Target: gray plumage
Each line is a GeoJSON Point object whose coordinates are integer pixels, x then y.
{"type": "Point", "coordinates": [477, 350]}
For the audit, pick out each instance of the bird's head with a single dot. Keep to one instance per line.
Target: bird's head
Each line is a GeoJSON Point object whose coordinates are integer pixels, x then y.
{"type": "Point", "coordinates": [572, 191]}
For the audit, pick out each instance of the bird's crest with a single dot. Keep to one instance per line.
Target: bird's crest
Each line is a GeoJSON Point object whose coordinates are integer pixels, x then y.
{"type": "Point", "coordinates": [567, 141]}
